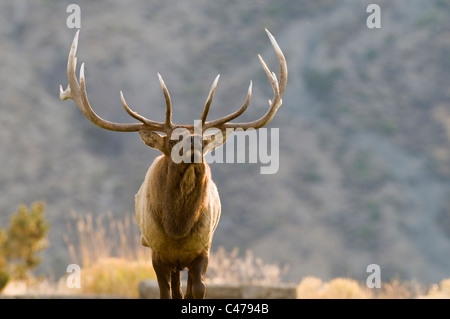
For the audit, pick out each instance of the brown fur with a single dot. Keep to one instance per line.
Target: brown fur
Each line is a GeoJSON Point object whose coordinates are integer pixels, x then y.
{"type": "Point", "coordinates": [178, 209]}
{"type": "Point", "coordinates": [181, 190]}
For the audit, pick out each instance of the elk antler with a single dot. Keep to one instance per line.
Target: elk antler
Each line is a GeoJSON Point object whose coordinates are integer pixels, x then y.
{"type": "Point", "coordinates": [275, 103]}
{"type": "Point", "coordinates": [77, 92]}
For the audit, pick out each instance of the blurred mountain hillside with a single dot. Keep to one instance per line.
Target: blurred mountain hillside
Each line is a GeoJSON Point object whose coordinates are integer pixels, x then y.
{"type": "Point", "coordinates": [364, 172]}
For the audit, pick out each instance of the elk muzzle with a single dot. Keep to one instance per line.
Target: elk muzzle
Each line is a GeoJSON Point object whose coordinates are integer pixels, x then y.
{"type": "Point", "coordinates": [194, 151]}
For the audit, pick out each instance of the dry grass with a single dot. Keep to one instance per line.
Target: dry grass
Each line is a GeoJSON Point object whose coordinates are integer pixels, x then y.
{"type": "Point", "coordinates": [438, 291]}
{"type": "Point", "coordinates": [109, 253]}
{"type": "Point", "coordinates": [338, 288]}
{"type": "Point", "coordinates": [90, 239]}
{"type": "Point", "coordinates": [121, 277]}
{"type": "Point", "coordinates": [115, 276]}
{"type": "Point", "coordinates": [346, 288]}
{"type": "Point", "coordinates": [113, 263]}
{"type": "Point", "coordinates": [226, 267]}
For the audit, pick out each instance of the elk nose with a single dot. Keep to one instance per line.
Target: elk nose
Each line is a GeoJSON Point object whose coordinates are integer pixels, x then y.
{"type": "Point", "coordinates": [196, 149]}
{"type": "Point", "coordinates": [196, 141]}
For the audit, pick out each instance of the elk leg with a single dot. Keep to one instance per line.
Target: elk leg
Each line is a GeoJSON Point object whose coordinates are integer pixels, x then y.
{"type": "Point", "coordinates": [189, 287]}
{"type": "Point", "coordinates": [176, 285]}
{"type": "Point", "coordinates": [163, 277]}
{"type": "Point", "coordinates": [197, 271]}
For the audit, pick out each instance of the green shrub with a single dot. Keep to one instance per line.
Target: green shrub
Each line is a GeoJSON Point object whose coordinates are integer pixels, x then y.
{"type": "Point", "coordinates": [20, 243]}
{"type": "Point", "coordinates": [4, 276]}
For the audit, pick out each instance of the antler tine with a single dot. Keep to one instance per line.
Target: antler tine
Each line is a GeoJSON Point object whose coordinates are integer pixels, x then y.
{"type": "Point", "coordinates": [209, 100]}
{"type": "Point", "coordinates": [77, 92]}
{"type": "Point", "coordinates": [281, 61]}
{"type": "Point", "coordinates": [71, 65]}
{"type": "Point", "coordinates": [168, 121]}
{"type": "Point", "coordinates": [158, 126]}
{"type": "Point", "coordinates": [136, 115]}
{"type": "Point", "coordinates": [278, 90]}
{"type": "Point", "coordinates": [219, 122]}
{"type": "Point", "coordinates": [87, 110]}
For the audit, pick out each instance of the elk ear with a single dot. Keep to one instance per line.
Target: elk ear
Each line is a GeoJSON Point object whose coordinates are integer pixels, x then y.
{"type": "Point", "coordinates": [152, 139]}
{"type": "Point", "coordinates": [213, 141]}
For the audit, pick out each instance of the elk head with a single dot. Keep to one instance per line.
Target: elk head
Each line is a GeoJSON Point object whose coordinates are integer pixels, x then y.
{"type": "Point", "coordinates": [178, 221]}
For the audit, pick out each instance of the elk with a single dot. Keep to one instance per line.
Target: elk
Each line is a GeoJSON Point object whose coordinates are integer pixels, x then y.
{"type": "Point", "coordinates": [178, 205]}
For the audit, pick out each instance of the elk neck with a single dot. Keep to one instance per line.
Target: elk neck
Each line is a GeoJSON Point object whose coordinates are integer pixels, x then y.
{"type": "Point", "coordinates": [184, 194]}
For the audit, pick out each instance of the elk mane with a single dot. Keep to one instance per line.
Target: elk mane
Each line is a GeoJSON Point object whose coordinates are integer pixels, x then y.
{"type": "Point", "coordinates": [181, 202]}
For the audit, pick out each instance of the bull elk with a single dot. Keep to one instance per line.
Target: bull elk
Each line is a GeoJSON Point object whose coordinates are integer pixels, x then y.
{"type": "Point", "coordinates": [178, 206]}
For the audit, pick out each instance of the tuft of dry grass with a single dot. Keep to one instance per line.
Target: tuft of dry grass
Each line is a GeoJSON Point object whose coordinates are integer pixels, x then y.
{"type": "Point", "coordinates": [338, 288]}
{"type": "Point", "coordinates": [346, 288]}
{"type": "Point", "coordinates": [90, 239]}
{"type": "Point", "coordinates": [115, 276]}
{"type": "Point", "coordinates": [229, 267]}
{"type": "Point", "coordinates": [110, 255]}
{"type": "Point", "coordinates": [438, 291]}
{"type": "Point", "coordinates": [396, 289]}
